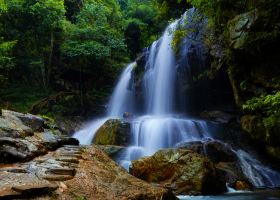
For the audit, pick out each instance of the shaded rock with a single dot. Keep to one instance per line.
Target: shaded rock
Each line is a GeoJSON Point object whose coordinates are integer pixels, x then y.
{"type": "Point", "coordinates": [233, 175]}
{"type": "Point", "coordinates": [215, 150]}
{"type": "Point", "coordinates": [242, 185]}
{"type": "Point", "coordinates": [218, 116]}
{"type": "Point", "coordinates": [14, 150]}
{"type": "Point", "coordinates": [239, 28]}
{"type": "Point", "coordinates": [181, 170]}
{"type": "Point", "coordinates": [113, 132]}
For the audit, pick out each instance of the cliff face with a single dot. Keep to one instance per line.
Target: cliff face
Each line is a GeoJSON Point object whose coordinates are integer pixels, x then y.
{"type": "Point", "coordinates": [251, 58]}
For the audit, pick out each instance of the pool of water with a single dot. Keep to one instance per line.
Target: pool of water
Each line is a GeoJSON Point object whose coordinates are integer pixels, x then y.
{"type": "Point", "coordinates": [259, 195]}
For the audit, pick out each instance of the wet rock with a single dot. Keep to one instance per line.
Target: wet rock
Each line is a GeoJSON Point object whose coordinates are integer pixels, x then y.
{"type": "Point", "coordinates": [233, 175]}
{"type": "Point", "coordinates": [183, 171]}
{"type": "Point", "coordinates": [113, 132]}
{"type": "Point", "coordinates": [218, 116]}
{"type": "Point", "coordinates": [242, 185]}
{"type": "Point", "coordinates": [215, 150]}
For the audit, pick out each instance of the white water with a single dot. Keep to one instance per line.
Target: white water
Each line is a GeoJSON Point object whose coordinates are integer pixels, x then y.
{"type": "Point", "coordinates": [259, 174]}
{"type": "Point", "coordinates": [86, 135]}
{"type": "Point", "coordinates": [160, 79]}
{"type": "Point", "coordinates": [122, 98]}
{"type": "Point", "coordinates": [151, 133]}
{"type": "Point", "coordinates": [159, 127]}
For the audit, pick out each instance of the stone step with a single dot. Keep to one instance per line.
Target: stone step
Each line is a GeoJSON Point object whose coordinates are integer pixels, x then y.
{"type": "Point", "coordinates": [14, 170]}
{"type": "Point", "coordinates": [57, 177]}
{"type": "Point", "coordinates": [61, 171]}
{"type": "Point", "coordinates": [68, 159]}
{"type": "Point", "coordinates": [78, 156]}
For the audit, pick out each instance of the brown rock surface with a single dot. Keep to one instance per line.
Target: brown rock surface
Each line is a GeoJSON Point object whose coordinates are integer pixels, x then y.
{"type": "Point", "coordinates": [182, 170]}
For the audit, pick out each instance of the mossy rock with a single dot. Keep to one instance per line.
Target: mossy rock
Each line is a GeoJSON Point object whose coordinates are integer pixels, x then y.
{"type": "Point", "coordinates": [112, 132]}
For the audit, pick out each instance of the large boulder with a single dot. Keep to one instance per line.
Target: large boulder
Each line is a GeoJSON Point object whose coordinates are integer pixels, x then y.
{"type": "Point", "coordinates": [12, 126]}
{"type": "Point", "coordinates": [113, 132]}
{"type": "Point", "coordinates": [181, 170]}
{"type": "Point", "coordinates": [34, 122]}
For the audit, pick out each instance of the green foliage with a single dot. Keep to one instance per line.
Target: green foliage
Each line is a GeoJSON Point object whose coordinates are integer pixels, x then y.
{"type": "Point", "coordinates": [94, 35]}
{"type": "Point", "coordinates": [6, 59]}
{"type": "Point", "coordinates": [267, 106]}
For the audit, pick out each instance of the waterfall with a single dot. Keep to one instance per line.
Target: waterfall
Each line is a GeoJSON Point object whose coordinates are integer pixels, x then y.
{"type": "Point", "coordinates": [159, 126]}
{"type": "Point", "coordinates": [122, 98]}
{"type": "Point", "coordinates": [121, 101]}
{"type": "Point", "coordinates": [160, 79]}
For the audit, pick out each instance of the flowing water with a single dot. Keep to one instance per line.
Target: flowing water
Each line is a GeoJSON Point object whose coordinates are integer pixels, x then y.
{"type": "Point", "coordinates": [160, 127]}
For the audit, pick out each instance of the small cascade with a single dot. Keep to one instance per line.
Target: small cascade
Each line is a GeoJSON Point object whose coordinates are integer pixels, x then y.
{"type": "Point", "coordinates": [258, 174]}
{"type": "Point", "coordinates": [122, 98]}
{"type": "Point", "coordinates": [86, 134]}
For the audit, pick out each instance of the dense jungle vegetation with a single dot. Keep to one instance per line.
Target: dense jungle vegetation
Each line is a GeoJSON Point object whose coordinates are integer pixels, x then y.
{"type": "Point", "coordinates": [71, 51]}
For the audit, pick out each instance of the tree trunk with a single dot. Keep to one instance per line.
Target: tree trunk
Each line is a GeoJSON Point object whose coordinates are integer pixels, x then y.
{"type": "Point", "coordinates": [49, 69]}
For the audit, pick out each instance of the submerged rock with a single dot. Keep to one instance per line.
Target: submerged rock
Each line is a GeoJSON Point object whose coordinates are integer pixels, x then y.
{"type": "Point", "coordinates": [113, 132]}
{"type": "Point", "coordinates": [183, 171]}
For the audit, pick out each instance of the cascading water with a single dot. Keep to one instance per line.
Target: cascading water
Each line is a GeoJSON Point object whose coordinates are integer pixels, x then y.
{"type": "Point", "coordinates": [256, 172]}
{"type": "Point", "coordinates": [160, 127]}
{"type": "Point", "coordinates": [122, 98]}
{"type": "Point", "coordinates": [160, 79]}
